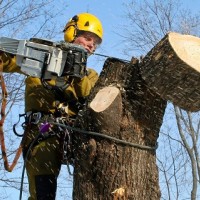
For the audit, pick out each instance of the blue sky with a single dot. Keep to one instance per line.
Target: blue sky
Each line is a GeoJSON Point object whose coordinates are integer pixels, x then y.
{"type": "Point", "coordinates": [110, 12]}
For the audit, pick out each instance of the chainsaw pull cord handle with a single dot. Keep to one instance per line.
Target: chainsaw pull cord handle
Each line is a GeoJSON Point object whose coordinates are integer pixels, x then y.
{"type": "Point", "coordinates": [7, 167]}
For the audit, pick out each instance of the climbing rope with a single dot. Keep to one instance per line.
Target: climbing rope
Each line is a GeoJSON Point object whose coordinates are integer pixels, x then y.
{"type": "Point", "coordinates": [139, 146]}
{"type": "Point", "coordinates": [3, 116]}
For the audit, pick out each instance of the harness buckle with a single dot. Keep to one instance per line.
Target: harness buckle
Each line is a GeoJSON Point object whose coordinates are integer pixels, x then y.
{"type": "Point", "coordinates": [35, 117]}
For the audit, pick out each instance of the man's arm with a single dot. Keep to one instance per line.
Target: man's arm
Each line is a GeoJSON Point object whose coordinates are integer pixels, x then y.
{"type": "Point", "coordinates": [84, 85]}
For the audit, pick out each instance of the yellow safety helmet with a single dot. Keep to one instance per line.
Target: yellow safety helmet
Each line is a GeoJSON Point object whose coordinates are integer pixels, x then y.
{"type": "Point", "coordinates": [82, 22]}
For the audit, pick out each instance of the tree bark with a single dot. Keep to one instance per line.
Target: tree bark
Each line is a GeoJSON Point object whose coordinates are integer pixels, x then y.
{"type": "Point", "coordinates": [120, 106]}
{"type": "Point", "coordinates": [172, 69]}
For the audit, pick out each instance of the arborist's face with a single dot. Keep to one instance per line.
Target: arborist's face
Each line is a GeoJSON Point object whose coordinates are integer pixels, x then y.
{"type": "Point", "coordinates": [88, 40]}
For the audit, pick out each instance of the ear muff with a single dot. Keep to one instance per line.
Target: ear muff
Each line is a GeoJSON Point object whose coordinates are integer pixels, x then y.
{"type": "Point", "coordinates": [75, 18]}
{"type": "Point", "coordinates": [70, 30]}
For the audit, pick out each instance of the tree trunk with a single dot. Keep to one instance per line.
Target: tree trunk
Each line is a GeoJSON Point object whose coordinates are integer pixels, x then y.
{"type": "Point", "coordinates": [172, 69]}
{"type": "Point", "coordinates": [120, 106]}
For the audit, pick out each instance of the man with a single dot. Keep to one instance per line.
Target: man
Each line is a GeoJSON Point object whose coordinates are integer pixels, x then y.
{"type": "Point", "coordinates": [44, 161]}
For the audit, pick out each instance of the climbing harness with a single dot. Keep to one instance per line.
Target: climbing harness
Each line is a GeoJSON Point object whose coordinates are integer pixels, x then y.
{"type": "Point", "coordinates": [48, 130]}
{"type": "Point", "coordinates": [29, 118]}
{"type": "Point", "coordinates": [3, 115]}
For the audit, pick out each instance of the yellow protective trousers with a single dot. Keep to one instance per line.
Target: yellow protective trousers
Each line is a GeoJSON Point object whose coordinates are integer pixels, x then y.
{"type": "Point", "coordinates": [43, 163]}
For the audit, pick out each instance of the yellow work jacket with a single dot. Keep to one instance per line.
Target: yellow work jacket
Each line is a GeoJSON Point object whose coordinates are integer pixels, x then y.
{"type": "Point", "coordinates": [38, 98]}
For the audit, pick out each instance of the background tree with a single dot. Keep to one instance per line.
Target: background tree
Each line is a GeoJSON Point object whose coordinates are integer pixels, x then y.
{"type": "Point", "coordinates": [178, 155]}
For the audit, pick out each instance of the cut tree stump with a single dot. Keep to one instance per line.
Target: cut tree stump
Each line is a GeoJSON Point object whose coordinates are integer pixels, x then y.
{"type": "Point", "coordinates": [123, 107]}
{"type": "Point", "coordinates": [172, 69]}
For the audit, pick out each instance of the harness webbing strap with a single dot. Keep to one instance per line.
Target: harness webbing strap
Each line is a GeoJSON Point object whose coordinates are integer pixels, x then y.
{"type": "Point", "coordinates": [3, 116]}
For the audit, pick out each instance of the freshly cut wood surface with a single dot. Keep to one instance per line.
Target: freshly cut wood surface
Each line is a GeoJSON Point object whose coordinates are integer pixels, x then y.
{"type": "Point", "coordinates": [187, 48]}
{"type": "Point", "coordinates": [172, 69]}
{"type": "Point", "coordinates": [104, 98]}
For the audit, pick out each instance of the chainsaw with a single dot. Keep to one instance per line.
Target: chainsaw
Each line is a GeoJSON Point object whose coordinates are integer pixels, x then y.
{"type": "Point", "coordinates": [46, 59]}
